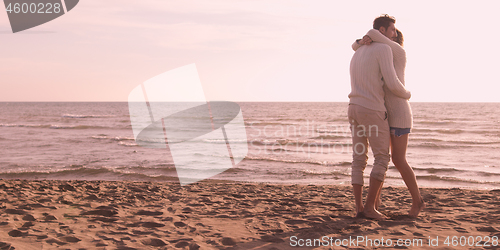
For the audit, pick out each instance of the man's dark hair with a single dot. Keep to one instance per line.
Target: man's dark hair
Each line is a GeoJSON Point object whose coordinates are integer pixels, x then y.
{"type": "Point", "coordinates": [383, 21]}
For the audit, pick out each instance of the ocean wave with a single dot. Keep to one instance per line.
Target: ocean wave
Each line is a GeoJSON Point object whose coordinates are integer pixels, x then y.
{"type": "Point", "coordinates": [262, 142]}
{"type": "Point", "coordinates": [79, 172]}
{"type": "Point", "coordinates": [316, 150]}
{"type": "Point", "coordinates": [235, 170]}
{"type": "Point", "coordinates": [324, 172]}
{"type": "Point", "coordinates": [308, 161]}
{"type": "Point", "coordinates": [455, 179]}
{"type": "Point", "coordinates": [127, 144]}
{"type": "Point", "coordinates": [450, 144]}
{"type": "Point", "coordinates": [273, 124]}
{"type": "Point", "coordinates": [461, 142]}
{"type": "Point", "coordinates": [319, 144]}
{"type": "Point", "coordinates": [344, 163]}
{"type": "Point", "coordinates": [297, 143]}
{"type": "Point", "coordinates": [476, 142]}
{"type": "Point", "coordinates": [74, 127]}
{"type": "Point", "coordinates": [426, 139]}
{"type": "Point", "coordinates": [67, 170]}
{"type": "Point", "coordinates": [25, 125]}
{"type": "Point", "coordinates": [163, 167]}
{"type": "Point", "coordinates": [432, 145]}
{"type": "Point", "coordinates": [331, 137]}
{"type": "Point", "coordinates": [440, 131]}
{"type": "Point", "coordinates": [433, 122]}
{"type": "Point", "coordinates": [53, 126]}
{"type": "Point", "coordinates": [340, 119]}
{"type": "Point", "coordinates": [129, 141]}
{"type": "Point", "coordinates": [124, 138]}
{"type": "Point", "coordinates": [219, 155]}
{"type": "Point", "coordinates": [437, 170]}
{"type": "Point", "coordinates": [86, 116]}
{"type": "Point", "coordinates": [456, 171]}
{"type": "Point", "coordinates": [100, 137]}
{"type": "Point", "coordinates": [223, 141]}
{"type": "Point", "coordinates": [338, 132]}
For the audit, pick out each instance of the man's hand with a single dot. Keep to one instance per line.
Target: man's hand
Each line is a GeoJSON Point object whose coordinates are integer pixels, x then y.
{"type": "Point", "coordinates": [366, 40]}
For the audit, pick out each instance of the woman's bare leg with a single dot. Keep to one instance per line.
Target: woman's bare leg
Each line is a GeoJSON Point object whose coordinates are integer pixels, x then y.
{"type": "Point", "coordinates": [398, 151]}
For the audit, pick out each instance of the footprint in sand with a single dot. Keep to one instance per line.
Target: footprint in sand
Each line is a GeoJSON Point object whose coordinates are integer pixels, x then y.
{"type": "Point", "coordinates": [49, 218]}
{"type": "Point", "coordinates": [27, 225]}
{"type": "Point", "coordinates": [14, 211]}
{"type": "Point", "coordinates": [182, 244]}
{"type": "Point", "coordinates": [6, 246]}
{"type": "Point", "coordinates": [103, 219]}
{"type": "Point", "coordinates": [70, 239]}
{"type": "Point", "coordinates": [180, 224]}
{"type": "Point", "coordinates": [153, 242]}
{"type": "Point", "coordinates": [149, 213]}
{"type": "Point", "coordinates": [16, 233]}
{"type": "Point", "coordinates": [29, 217]}
{"type": "Point", "coordinates": [152, 224]}
{"type": "Point", "coordinates": [489, 229]}
{"type": "Point", "coordinates": [271, 238]}
{"type": "Point", "coordinates": [58, 242]}
{"type": "Point", "coordinates": [102, 212]}
{"type": "Point", "coordinates": [228, 241]}
{"type": "Point", "coordinates": [460, 229]}
{"type": "Point", "coordinates": [444, 221]}
{"type": "Point", "coordinates": [91, 197]}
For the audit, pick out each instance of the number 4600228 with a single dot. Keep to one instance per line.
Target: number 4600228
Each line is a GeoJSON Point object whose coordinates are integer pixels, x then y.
{"type": "Point", "coordinates": [34, 8]}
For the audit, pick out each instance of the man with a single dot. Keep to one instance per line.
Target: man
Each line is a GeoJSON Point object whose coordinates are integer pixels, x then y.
{"type": "Point", "coordinates": [372, 67]}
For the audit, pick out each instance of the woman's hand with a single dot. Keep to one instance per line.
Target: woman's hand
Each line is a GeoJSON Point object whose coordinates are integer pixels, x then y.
{"type": "Point", "coordinates": [366, 40]}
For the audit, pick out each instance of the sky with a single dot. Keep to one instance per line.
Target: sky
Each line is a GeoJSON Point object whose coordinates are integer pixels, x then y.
{"type": "Point", "coordinates": [248, 50]}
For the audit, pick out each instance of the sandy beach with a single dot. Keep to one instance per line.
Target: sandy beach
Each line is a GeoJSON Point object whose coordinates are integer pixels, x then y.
{"type": "Point", "coordinates": [225, 215]}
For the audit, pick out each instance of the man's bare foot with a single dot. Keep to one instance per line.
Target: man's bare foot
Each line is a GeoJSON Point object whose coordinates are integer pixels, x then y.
{"type": "Point", "coordinates": [360, 215]}
{"type": "Point", "coordinates": [374, 214]}
{"type": "Point", "coordinates": [360, 209]}
{"type": "Point", "coordinates": [416, 208]}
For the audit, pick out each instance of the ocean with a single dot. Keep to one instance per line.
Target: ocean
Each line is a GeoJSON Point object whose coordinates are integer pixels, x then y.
{"type": "Point", "coordinates": [451, 144]}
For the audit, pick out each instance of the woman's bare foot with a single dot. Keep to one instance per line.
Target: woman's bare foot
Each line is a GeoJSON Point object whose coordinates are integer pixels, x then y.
{"type": "Point", "coordinates": [377, 203]}
{"type": "Point", "coordinates": [416, 208]}
{"type": "Point", "coordinates": [374, 214]}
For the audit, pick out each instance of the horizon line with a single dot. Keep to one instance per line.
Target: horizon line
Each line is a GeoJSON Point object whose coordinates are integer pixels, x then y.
{"type": "Point", "coordinates": [239, 101]}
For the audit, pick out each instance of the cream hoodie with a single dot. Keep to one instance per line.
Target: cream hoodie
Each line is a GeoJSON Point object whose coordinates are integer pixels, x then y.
{"type": "Point", "coordinates": [371, 68]}
{"type": "Point", "coordinates": [398, 109]}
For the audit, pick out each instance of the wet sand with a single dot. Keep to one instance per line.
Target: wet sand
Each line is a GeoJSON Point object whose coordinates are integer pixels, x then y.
{"type": "Point", "coordinates": [226, 215]}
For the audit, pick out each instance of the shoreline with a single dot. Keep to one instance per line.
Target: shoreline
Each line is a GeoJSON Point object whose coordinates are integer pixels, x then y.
{"type": "Point", "coordinates": [173, 180]}
{"type": "Point", "coordinates": [217, 214]}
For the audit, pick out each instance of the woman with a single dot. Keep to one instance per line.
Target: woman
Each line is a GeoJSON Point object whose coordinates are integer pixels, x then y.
{"type": "Point", "coordinates": [400, 117]}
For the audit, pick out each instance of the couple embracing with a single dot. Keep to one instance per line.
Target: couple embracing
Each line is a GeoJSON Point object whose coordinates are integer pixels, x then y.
{"type": "Point", "coordinates": [380, 115]}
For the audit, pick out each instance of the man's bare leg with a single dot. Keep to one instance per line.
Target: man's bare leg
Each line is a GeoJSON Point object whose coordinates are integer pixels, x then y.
{"type": "Point", "coordinates": [370, 211]}
{"type": "Point", "coordinates": [378, 201]}
{"type": "Point", "coordinates": [358, 197]}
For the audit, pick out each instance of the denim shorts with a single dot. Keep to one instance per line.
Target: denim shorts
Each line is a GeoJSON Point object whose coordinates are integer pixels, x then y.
{"type": "Point", "coordinates": [400, 131]}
